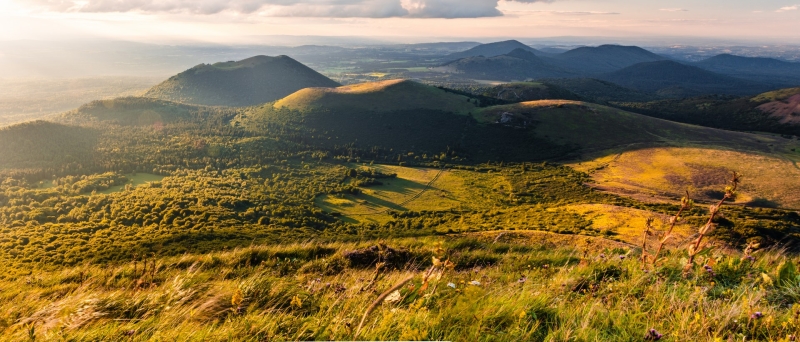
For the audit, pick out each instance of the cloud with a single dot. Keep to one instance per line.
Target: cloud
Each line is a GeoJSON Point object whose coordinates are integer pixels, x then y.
{"type": "Point", "coordinates": [290, 8]}
{"type": "Point", "coordinates": [788, 8]}
{"type": "Point", "coordinates": [577, 12]}
{"type": "Point", "coordinates": [673, 10]}
{"type": "Point", "coordinates": [339, 9]}
{"type": "Point", "coordinates": [451, 8]}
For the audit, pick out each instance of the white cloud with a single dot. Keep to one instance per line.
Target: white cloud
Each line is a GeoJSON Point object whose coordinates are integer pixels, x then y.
{"type": "Point", "coordinates": [673, 10]}
{"type": "Point", "coordinates": [788, 8]}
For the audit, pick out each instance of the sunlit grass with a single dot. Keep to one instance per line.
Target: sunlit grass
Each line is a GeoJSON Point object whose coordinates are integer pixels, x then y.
{"type": "Point", "coordinates": [504, 287]}
{"type": "Point", "coordinates": [670, 171]}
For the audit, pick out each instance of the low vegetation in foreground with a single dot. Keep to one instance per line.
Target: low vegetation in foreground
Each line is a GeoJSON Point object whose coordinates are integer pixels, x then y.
{"type": "Point", "coordinates": [500, 286]}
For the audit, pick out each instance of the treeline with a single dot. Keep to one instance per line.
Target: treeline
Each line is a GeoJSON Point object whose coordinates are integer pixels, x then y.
{"type": "Point", "coordinates": [718, 111]}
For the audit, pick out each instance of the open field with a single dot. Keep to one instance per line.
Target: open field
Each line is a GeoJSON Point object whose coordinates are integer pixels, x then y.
{"type": "Point", "coordinates": [135, 180]}
{"type": "Point", "coordinates": [415, 189]}
{"type": "Point", "coordinates": [626, 224]}
{"type": "Point", "coordinates": [671, 171]}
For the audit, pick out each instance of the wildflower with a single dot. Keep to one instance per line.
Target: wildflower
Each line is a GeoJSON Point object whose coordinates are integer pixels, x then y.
{"type": "Point", "coordinates": [751, 258]}
{"type": "Point", "coordinates": [522, 280]}
{"type": "Point", "coordinates": [756, 315]}
{"type": "Point", "coordinates": [451, 285]}
{"type": "Point", "coordinates": [237, 298]}
{"type": "Point", "coordinates": [709, 270]}
{"type": "Point", "coordinates": [602, 256]}
{"type": "Point", "coordinates": [297, 302]}
{"type": "Point", "coordinates": [436, 262]}
{"type": "Point", "coordinates": [393, 297]}
{"type": "Point", "coordinates": [653, 335]}
{"type": "Point", "coordinates": [622, 257]}
{"type": "Point", "coordinates": [475, 282]}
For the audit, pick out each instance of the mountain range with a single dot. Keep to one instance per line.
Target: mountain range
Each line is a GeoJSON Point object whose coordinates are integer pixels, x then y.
{"type": "Point", "coordinates": [627, 66]}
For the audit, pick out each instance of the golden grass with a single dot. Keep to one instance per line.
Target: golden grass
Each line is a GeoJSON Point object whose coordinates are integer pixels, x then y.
{"type": "Point", "coordinates": [388, 95]}
{"type": "Point", "coordinates": [776, 95]}
{"type": "Point", "coordinates": [670, 171]}
{"type": "Point", "coordinates": [506, 286]}
{"type": "Point", "coordinates": [627, 224]}
{"type": "Point", "coordinates": [412, 190]}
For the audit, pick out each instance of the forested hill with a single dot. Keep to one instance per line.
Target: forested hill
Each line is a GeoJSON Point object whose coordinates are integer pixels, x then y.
{"type": "Point", "coordinates": [493, 49]}
{"type": "Point", "coordinates": [247, 82]}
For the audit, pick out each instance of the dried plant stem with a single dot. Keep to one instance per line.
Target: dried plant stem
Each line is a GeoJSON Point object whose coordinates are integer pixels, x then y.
{"type": "Point", "coordinates": [378, 302]}
{"type": "Point", "coordinates": [729, 193]}
{"type": "Point", "coordinates": [686, 203]}
{"type": "Point", "coordinates": [647, 227]}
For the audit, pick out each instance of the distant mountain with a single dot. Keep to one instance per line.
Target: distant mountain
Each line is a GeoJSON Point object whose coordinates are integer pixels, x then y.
{"type": "Point", "coordinates": [604, 58]}
{"type": "Point", "coordinates": [599, 91]}
{"type": "Point", "coordinates": [766, 70]}
{"type": "Point", "coordinates": [673, 79]}
{"type": "Point", "coordinates": [517, 65]}
{"type": "Point", "coordinates": [247, 82]}
{"type": "Point", "coordinates": [492, 50]}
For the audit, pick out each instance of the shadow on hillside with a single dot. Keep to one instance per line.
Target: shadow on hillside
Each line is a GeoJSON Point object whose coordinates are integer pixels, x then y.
{"type": "Point", "coordinates": [400, 186]}
{"type": "Point", "coordinates": [763, 203]}
{"type": "Point", "coordinates": [381, 202]}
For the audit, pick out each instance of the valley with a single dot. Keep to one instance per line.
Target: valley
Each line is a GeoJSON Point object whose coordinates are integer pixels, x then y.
{"type": "Point", "coordinates": [260, 199]}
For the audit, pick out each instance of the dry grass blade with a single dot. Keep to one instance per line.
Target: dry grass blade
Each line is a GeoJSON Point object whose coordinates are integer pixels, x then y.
{"type": "Point", "coordinates": [378, 302]}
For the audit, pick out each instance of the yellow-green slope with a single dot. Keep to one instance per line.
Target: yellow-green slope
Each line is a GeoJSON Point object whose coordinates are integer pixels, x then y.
{"type": "Point", "coordinates": [380, 96]}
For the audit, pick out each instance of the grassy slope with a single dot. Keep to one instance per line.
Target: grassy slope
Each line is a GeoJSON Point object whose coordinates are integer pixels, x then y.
{"type": "Point", "coordinates": [596, 128]}
{"type": "Point", "coordinates": [597, 133]}
{"type": "Point", "coordinates": [416, 189]}
{"type": "Point", "coordinates": [772, 181]}
{"type": "Point", "coordinates": [509, 286]}
{"type": "Point", "coordinates": [529, 91]}
{"type": "Point", "coordinates": [379, 97]}
{"type": "Point", "coordinates": [777, 95]}
{"type": "Point", "coordinates": [632, 152]}
{"type": "Point", "coordinates": [767, 112]}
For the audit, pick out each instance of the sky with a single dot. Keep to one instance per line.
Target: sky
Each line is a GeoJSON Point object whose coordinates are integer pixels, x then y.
{"type": "Point", "coordinates": [240, 21]}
